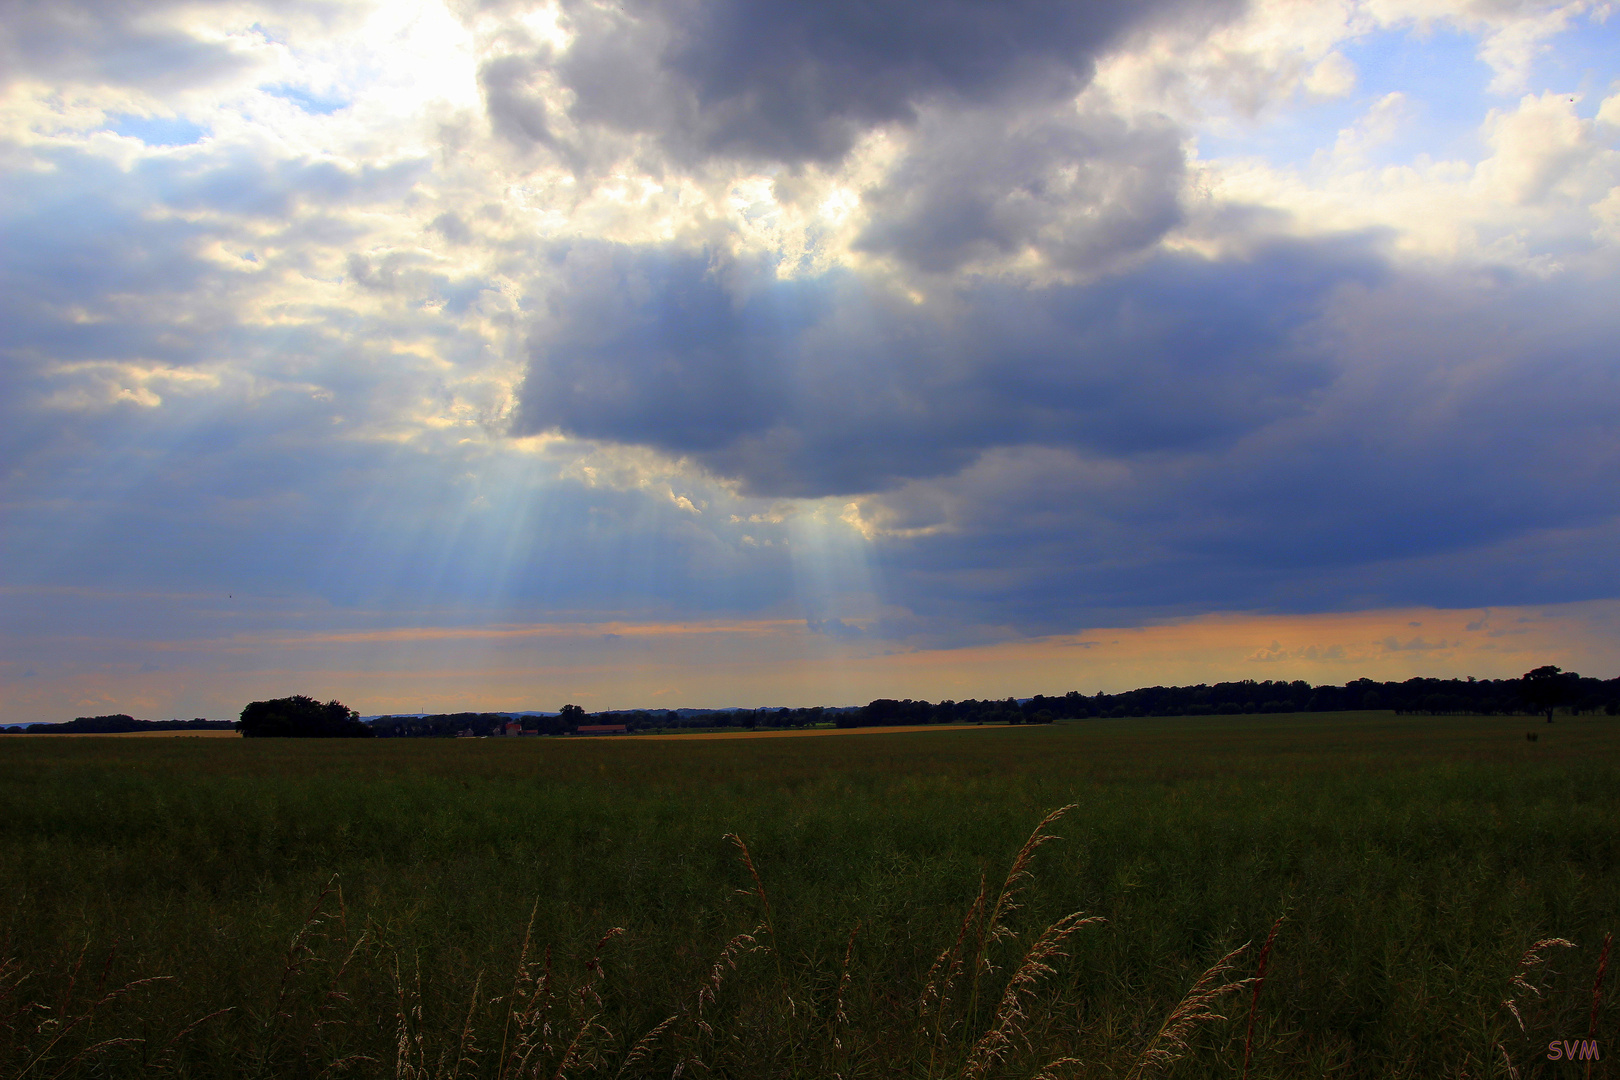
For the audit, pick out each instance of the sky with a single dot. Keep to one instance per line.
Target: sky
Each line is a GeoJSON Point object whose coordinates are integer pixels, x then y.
{"type": "Point", "coordinates": [496, 355]}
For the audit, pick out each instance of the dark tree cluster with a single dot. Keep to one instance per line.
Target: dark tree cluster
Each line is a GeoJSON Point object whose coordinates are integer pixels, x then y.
{"type": "Point", "coordinates": [886, 712]}
{"type": "Point", "coordinates": [569, 719]}
{"type": "Point", "coordinates": [1418, 696]}
{"type": "Point", "coordinates": [1539, 692]}
{"type": "Point", "coordinates": [445, 725]}
{"type": "Point", "coordinates": [301, 717]}
{"type": "Point", "coordinates": [116, 724]}
{"type": "Point", "coordinates": [707, 719]}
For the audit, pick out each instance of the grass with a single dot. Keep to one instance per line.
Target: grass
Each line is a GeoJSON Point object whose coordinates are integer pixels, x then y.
{"type": "Point", "coordinates": [459, 908]}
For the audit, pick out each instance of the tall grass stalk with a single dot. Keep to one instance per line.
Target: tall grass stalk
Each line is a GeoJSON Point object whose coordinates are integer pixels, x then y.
{"type": "Point", "coordinates": [994, 928]}
{"type": "Point", "coordinates": [993, 1046]}
{"type": "Point", "coordinates": [1170, 1042]}
{"type": "Point", "coordinates": [1597, 994]}
{"type": "Point", "coordinates": [1254, 998]}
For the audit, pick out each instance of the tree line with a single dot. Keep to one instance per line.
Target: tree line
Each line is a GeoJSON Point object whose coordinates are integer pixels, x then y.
{"type": "Point", "coordinates": [117, 724]}
{"type": "Point", "coordinates": [1542, 691]}
{"type": "Point", "coordinates": [571, 717]}
{"type": "Point", "coordinates": [1537, 692]}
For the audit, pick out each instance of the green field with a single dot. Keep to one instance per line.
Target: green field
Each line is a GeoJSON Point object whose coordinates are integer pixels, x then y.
{"type": "Point", "coordinates": [360, 907]}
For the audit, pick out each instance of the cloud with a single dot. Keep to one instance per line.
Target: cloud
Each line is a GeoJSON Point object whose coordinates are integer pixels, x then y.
{"type": "Point", "coordinates": [1535, 200]}
{"type": "Point", "coordinates": [1544, 152]}
{"type": "Point", "coordinates": [1459, 457]}
{"type": "Point", "coordinates": [909, 327]}
{"type": "Point", "coordinates": [835, 628]}
{"type": "Point", "coordinates": [841, 384]}
{"type": "Point", "coordinates": [1332, 76]}
{"type": "Point", "coordinates": [110, 42]}
{"type": "Point", "coordinates": [789, 82]}
{"type": "Point", "coordinates": [1077, 190]}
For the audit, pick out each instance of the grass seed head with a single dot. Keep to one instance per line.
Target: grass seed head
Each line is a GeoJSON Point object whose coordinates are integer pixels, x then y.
{"type": "Point", "coordinates": [1170, 1042]}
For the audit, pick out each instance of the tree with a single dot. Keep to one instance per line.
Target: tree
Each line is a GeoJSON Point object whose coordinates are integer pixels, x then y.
{"type": "Point", "coordinates": [1547, 687]}
{"type": "Point", "coordinates": [301, 717]}
{"type": "Point", "coordinates": [571, 717]}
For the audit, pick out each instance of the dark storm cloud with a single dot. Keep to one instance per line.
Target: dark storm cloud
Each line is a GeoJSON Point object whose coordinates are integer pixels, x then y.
{"type": "Point", "coordinates": [1080, 189]}
{"type": "Point", "coordinates": [1465, 456]}
{"type": "Point", "coordinates": [840, 384]}
{"type": "Point", "coordinates": [790, 81]}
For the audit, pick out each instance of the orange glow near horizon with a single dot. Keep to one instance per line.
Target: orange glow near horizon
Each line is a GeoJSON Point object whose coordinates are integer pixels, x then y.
{"type": "Point", "coordinates": [777, 662]}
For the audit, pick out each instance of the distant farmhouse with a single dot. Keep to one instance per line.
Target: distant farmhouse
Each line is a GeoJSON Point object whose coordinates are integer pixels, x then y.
{"type": "Point", "coordinates": [603, 729]}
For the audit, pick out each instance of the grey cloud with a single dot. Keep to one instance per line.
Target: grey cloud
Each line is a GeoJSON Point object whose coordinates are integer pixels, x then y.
{"type": "Point", "coordinates": [840, 384]}
{"type": "Point", "coordinates": [1307, 429]}
{"type": "Point", "coordinates": [450, 226]}
{"type": "Point", "coordinates": [139, 43]}
{"type": "Point", "coordinates": [835, 628]}
{"type": "Point", "coordinates": [1463, 458]}
{"type": "Point", "coordinates": [517, 112]}
{"type": "Point", "coordinates": [82, 238]}
{"type": "Point", "coordinates": [107, 42]}
{"type": "Point", "coordinates": [107, 307]}
{"type": "Point", "coordinates": [258, 473]}
{"type": "Point", "coordinates": [793, 82]}
{"type": "Point", "coordinates": [246, 185]}
{"type": "Point", "coordinates": [1079, 189]}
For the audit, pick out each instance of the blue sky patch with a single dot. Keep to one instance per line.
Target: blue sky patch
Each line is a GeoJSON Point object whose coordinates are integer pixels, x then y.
{"type": "Point", "coordinates": [158, 130]}
{"type": "Point", "coordinates": [308, 100]}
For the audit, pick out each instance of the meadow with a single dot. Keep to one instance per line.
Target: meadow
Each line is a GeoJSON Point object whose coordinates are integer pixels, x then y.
{"type": "Point", "coordinates": [868, 906]}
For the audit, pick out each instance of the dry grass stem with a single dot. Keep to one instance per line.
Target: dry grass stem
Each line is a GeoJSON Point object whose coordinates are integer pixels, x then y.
{"type": "Point", "coordinates": [468, 1048]}
{"type": "Point", "coordinates": [1597, 993]}
{"type": "Point", "coordinates": [344, 1063]}
{"type": "Point", "coordinates": [1533, 958]}
{"type": "Point", "coordinates": [726, 961]}
{"type": "Point", "coordinates": [165, 1056]}
{"type": "Point", "coordinates": [995, 927]}
{"type": "Point", "coordinates": [942, 975]}
{"type": "Point", "coordinates": [532, 988]}
{"type": "Point", "coordinates": [843, 979]}
{"type": "Point", "coordinates": [299, 949]}
{"type": "Point", "coordinates": [91, 1051]}
{"type": "Point", "coordinates": [1597, 985]}
{"type": "Point", "coordinates": [65, 1025]}
{"type": "Point", "coordinates": [1254, 998]}
{"type": "Point", "coordinates": [1169, 1043]}
{"type": "Point", "coordinates": [840, 1020]}
{"type": "Point", "coordinates": [644, 1045]}
{"type": "Point", "coordinates": [1056, 1070]}
{"type": "Point", "coordinates": [520, 982]}
{"type": "Point", "coordinates": [770, 922]}
{"type": "Point", "coordinates": [994, 1044]}
{"type": "Point", "coordinates": [759, 884]}
{"type": "Point", "coordinates": [594, 972]}
{"type": "Point", "coordinates": [579, 1049]}
{"type": "Point", "coordinates": [315, 1006]}
{"type": "Point", "coordinates": [405, 1040]}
